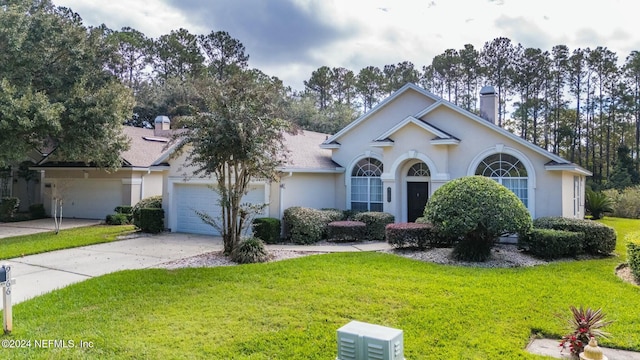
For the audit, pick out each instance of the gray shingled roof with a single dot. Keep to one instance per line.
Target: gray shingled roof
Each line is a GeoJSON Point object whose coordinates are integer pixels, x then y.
{"type": "Point", "coordinates": [144, 148]}
{"type": "Point", "coordinates": [305, 152]}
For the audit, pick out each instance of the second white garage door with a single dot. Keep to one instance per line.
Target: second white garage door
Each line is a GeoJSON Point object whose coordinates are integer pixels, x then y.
{"type": "Point", "coordinates": [89, 198]}
{"type": "Point", "coordinates": [191, 198]}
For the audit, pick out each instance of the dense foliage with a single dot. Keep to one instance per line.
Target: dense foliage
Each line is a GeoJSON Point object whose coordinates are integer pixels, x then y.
{"type": "Point", "coordinates": [633, 253]}
{"type": "Point", "coordinates": [599, 239]}
{"type": "Point", "coordinates": [267, 229]}
{"type": "Point", "coordinates": [376, 222]}
{"type": "Point", "coordinates": [154, 202]}
{"type": "Point", "coordinates": [346, 230]}
{"type": "Point", "coordinates": [552, 244]}
{"type": "Point", "coordinates": [55, 89]}
{"type": "Point", "coordinates": [597, 204]}
{"type": "Point", "coordinates": [410, 235]}
{"type": "Point", "coordinates": [475, 211]}
{"type": "Point", "coordinates": [151, 220]}
{"type": "Point", "coordinates": [306, 225]}
{"type": "Point", "coordinates": [249, 251]}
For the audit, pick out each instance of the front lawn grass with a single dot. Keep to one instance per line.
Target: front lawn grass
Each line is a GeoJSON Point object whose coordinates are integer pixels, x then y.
{"type": "Point", "coordinates": [48, 241]}
{"type": "Point", "coordinates": [291, 309]}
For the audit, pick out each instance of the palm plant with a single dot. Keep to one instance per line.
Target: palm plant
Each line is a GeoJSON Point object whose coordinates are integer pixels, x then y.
{"type": "Point", "coordinates": [584, 323]}
{"type": "Point", "coordinates": [598, 203]}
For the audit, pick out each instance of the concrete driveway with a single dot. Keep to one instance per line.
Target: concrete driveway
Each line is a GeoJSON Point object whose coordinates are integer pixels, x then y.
{"type": "Point", "coordinates": [42, 273]}
{"type": "Point", "coordinates": [41, 225]}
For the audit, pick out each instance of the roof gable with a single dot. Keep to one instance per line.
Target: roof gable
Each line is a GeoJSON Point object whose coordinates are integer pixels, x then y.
{"type": "Point", "coordinates": [407, 87]}
{"type": "Point", "coordinates": [439, 134]}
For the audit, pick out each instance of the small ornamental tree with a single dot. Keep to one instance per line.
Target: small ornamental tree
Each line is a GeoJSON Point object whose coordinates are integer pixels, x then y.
{"type": "Point", "coordinates": [475, 211]}
{"type": "Point", "coordinates": [238, 139]}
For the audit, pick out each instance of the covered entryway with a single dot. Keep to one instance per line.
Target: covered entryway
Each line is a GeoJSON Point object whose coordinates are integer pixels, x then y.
{"type": "Point", "coordinates": [190, 198]}
{"type": "Point", "coordinates": [84, 198]}
{"type": "Point", "coordinates": [417, 196]}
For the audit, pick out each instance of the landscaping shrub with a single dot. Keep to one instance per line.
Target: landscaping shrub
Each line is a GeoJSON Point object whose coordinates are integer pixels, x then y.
{"type": "Point", "coordinates": [435, 239]}
{"type": "Point", "coordinates": [248, 251]}
{"type": "Point", "coordinates": [376, 222]}
{"type": "Point", "coordinates": [633, 253]}
{"type": "Point", "coordinates": [8, 207]}
{"type": "Point", "coordinates": [306, 225]}
{"type": "Point", "coordinates": [346, 230]}
{"type": "Point", "coordinates": [152, 220]}
{"type": "Point", "coordinates": [626, 204]}
{"type": "Point", "coordinates": [153, 202]}
{"type": "Point", "coordinates": [474, 211]}
{"type": "Point", "coordinates": [402, 235]}
{"type": "Point", "coordinates": [117, 219]}
{"type": "Point", "coordinates": [124, 209]}
{"type": "Point", "coordinates": [599, 239]}
{"type": "Point", "coordinates": [350, 214]}
{"type": "Point", "coordinates": [597, 204]}
{"type": "Point", "coordinates": [583, 324]}
{"type": "Point", "coordinates": [552, 244]}
{"type": "Point", "coordinates": [267, 229]}
{"type": "Point", "coordinates": [37, 211]}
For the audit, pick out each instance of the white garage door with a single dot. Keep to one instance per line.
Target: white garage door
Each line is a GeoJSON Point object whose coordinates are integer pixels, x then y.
{"type": "Point", "coordinates": [89, 198]}
{"type": "Point", "coordinates": [192, 198]}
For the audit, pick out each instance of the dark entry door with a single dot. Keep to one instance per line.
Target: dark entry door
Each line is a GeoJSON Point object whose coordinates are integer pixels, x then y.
{"type": "Point", "coordinates": [417, 195]}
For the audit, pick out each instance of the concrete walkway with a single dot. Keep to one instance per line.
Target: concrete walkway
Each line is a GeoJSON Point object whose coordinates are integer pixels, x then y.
{"type": "Point", "coordinates": [9, 229]}
{"type": "Point", "coordinates": [551, 348]}
{"type": "Point", "coordinates": [42, 273]}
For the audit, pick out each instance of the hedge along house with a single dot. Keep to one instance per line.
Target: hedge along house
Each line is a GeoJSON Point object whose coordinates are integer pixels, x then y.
{"type": "Point", "coordinates": [90, 192]}
{"type": "Point", "coordinates": [392, 159]}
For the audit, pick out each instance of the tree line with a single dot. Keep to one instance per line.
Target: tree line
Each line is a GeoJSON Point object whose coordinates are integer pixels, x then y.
{"type": "Point", "coordinates": [583, 104]}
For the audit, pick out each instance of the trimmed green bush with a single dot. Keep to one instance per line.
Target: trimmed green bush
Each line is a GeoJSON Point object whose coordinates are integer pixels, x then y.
{"type": "Point", "coordinates": [412, 235]}
{"type": "Point", "coordinates": [552, 244]}
{"type": "Point", "coordinates": [633, 253]}
{"type": "Point", "coordinates": [117, 219]}
{"type": "Point", "coordinates": [306, 225]}
{"type": "Point", "coordinates": [153, 202]}
{"type": "Point", "coordinates": [37, 211]}
{"type": "Point", "coordinates": [8, 207]}
{"type": "Point", "coordinates": [267, 229]}
{"type": "Point", "coordinates": [376, 222]}
{"type": "Point", "coordinates": [126, 209]}
{"type": "Point", "coordinates": [248, 251]}
{"type": "Point", "coordinates": [152, 220]}
{"type": "Point", "coordinates": [599, 239]}
{"type": "Point", "coordinates": [435, 239]}
{"type": "Point", "coordinates": [346, 230]}
{"type": "Point", "coordinates": [350, 214]}
{"type": "Point", "coordinates": [474, 211]}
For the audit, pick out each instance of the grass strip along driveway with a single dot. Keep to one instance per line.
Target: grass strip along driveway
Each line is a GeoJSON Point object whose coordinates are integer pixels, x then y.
{"type": "Point", "coordinates": [48, 241]}
{"type": "Point", "coordinates": [291, 309]}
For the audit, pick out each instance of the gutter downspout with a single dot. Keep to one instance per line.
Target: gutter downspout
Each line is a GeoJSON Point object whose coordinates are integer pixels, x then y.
{"type": "Point", "coordinates": [281, 200]}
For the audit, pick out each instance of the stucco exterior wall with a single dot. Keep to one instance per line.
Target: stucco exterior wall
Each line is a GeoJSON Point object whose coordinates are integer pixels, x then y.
{"type": "Point", "coordinates": [309, 190]}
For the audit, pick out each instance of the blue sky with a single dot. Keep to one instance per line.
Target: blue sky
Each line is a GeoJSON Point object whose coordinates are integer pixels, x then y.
{"type": "Point", "coordinates": [291, 38]}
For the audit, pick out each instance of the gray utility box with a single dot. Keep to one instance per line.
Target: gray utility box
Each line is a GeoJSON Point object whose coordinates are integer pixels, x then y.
{"type": "Point", "coordinates": [362, 341]}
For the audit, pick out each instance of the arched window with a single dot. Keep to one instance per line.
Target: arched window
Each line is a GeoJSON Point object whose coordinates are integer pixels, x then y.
{"type": "Point", "coordinates": [419, 169]}
{"type": "Point", "coordinates": [507, 170]}
{"type": "Point", "coordinates": [366, 185]}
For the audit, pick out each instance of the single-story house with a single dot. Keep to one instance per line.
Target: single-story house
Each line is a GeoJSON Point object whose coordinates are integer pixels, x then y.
{"type": "Point", "coordinates": [90, 192]}
{"type": "Point", "coordinates": [392, 159]}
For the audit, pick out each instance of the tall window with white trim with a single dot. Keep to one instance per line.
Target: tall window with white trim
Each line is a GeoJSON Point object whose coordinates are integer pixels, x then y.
{"type": "Point", "coordinates": [507, 170]}
{"type": "Point", "coordinates": [366, 185]}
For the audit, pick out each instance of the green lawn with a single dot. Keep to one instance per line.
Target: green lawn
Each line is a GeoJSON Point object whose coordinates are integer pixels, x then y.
{"type": "Point", "coordinates": [291, 309]}
{"type": "Point", "coordinates": [49, 241]}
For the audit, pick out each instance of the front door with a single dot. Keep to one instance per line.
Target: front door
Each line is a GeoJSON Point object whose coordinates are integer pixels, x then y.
{"type": "Point", "coordinates": [417, 195]}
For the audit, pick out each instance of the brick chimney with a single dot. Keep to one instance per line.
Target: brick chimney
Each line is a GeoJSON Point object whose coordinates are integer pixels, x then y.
{"type": "Point", "coordinates": [489, 104]}
{"type": "Point", "coordinates": [162, 126]}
